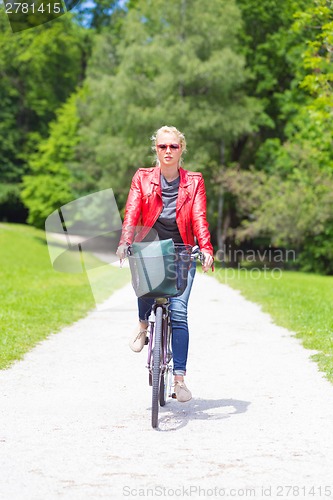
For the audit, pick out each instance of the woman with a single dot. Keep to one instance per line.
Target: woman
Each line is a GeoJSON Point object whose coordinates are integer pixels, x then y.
{"type": "Point", "coordinates": [172, 201]}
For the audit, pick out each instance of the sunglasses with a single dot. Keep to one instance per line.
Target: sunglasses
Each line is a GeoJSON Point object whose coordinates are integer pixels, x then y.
{"type": "Point", "coordinates": [171, 146]}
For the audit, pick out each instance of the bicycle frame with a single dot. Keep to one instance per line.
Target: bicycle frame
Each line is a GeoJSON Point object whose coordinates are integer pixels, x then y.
{"type": "Point", "coordinates": [166, 366]}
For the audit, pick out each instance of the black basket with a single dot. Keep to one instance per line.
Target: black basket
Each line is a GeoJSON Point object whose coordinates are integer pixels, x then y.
{"type": "Point", "coordinates": [159, 268]}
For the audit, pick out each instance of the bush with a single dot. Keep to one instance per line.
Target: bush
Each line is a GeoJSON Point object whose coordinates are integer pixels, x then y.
{"type": "Point", "coordinates": [11, 206]}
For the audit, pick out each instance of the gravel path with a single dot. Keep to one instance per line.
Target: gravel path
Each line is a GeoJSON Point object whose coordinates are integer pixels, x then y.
{"type": "Point", "coordinates": [75, 413]}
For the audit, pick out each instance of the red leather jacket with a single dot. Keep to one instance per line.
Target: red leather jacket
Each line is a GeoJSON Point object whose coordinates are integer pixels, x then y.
{"type": "Point", "coordinates": [144, 205]}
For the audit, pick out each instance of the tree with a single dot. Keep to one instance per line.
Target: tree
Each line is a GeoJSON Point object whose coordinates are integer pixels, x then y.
{"type": "Point", "coordinates": [100, 14]}
{"type": "Point", "coordinates": [50, 183]}
{"type": "Point", "coordinates": [179, 63]}
{"type": "Point", "coordinates": [293, 213]}
{"type": "Point", "coordinates": [39, 70]}
{"type": "Point", "coordinates": [288, 196]}
{"type": "Point", "coordinates": [272, 51]}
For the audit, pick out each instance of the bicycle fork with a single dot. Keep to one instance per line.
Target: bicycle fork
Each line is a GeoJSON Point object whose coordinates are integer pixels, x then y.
{"type": "Point", "coordinates": [166, 357]}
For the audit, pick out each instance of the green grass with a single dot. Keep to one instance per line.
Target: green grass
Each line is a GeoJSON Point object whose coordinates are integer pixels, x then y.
{"type": "Point", "coordinates": [298, 301]}
{"type": "Point", "coordinates": [35, 299]}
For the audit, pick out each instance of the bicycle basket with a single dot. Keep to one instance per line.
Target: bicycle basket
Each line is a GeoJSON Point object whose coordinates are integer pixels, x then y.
{"type": "Point", "coordinates": [158, 268]}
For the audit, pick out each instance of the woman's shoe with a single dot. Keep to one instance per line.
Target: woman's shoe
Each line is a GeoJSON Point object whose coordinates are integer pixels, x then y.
{"type": "Point", "coordinates": [137, 342]}
{"type": "Point", "coordinates": [183, 394]}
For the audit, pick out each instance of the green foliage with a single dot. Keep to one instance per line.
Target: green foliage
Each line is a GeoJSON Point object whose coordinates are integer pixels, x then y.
{"type": "Point", "coordinates": [287, 196]}
{"type": "Point", "coordinates": [100, 15]}
{"type": "Point", "coordinates": [271, 49]}
{"type": "Point", "coordinates": [293, 211]}
{"type": "Point", "coordinates": [50, 183]}
{"type": "Point", "coordinates": [40, 68]}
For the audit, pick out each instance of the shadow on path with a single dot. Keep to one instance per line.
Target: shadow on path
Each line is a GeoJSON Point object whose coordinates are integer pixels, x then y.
{"type": "Point", "coordinates": [174, 415]}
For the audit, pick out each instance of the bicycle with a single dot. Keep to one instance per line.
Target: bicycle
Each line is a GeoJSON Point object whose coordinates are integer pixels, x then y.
{"type": "Point", "coordinates": [159, 340]}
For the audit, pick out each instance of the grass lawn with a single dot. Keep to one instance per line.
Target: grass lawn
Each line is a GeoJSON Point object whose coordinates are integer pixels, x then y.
{"type": "Point", "coordinates": [35, 299]}
{"type": "Point", "coordinates": [301, 302]}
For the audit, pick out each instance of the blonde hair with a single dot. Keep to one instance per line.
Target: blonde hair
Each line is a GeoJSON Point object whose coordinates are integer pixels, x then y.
{"type": "Point", "coordinates": [171, 130]}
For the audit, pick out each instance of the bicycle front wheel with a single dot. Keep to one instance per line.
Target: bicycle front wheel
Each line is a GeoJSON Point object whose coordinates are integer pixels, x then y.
{"type": "Point", "coordinates": [157, 353]}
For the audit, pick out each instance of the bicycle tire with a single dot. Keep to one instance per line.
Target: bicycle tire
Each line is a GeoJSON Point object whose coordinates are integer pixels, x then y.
{"type": "Point", "coordinates": [165, 373]}
{"type": "Point", "coordinates": [157, 351]}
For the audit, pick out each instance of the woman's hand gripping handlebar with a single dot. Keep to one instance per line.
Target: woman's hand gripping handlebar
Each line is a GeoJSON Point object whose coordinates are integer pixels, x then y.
{"type": "Point", "coordinates": [122, 253]}
{"type": "Point", "coordinates": [205, 258]}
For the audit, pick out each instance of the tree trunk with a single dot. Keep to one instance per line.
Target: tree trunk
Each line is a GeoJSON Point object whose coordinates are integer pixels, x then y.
{"type": "Point", "coordinates": [220, 201]}
{"type": "Point", "coordinates": [182, 40]}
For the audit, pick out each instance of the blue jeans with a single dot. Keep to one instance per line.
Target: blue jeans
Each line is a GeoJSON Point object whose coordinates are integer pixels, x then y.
{"type": "Point", "coordinates": [179, 324]}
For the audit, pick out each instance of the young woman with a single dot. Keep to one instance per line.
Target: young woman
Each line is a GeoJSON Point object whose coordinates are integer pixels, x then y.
{"type": "Point", "coordinates": [172, 201]}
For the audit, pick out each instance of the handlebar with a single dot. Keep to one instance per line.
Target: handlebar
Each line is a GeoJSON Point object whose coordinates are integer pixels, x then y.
{"type": "Point", "coordinates": [196, 253]}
